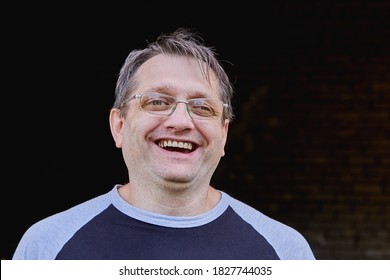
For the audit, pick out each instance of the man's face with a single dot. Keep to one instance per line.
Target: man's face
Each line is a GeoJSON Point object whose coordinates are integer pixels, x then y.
{"type": "Point", "coordinates": [143, 137]}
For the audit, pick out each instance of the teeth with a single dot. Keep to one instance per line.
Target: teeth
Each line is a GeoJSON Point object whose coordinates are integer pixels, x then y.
{"type": "Point", "coordinates": [175, 144]}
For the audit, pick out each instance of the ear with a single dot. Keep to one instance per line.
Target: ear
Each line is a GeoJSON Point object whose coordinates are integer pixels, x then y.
{"type": "Point", "coordinates": [116, 126]}
{"type": "Point", "coordinates": [225, 128]}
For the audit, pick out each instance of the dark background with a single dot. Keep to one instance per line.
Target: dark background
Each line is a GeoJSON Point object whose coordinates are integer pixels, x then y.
{"type": "Point", "coordinates": [310, 145]}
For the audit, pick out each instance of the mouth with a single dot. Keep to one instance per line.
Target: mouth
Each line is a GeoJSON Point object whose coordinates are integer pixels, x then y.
{"type": "Point", "coordinates": [177, 146]}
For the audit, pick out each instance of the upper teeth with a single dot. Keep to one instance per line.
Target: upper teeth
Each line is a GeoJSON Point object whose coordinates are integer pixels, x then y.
{"type": "Point", "coordinates": [175, 144]}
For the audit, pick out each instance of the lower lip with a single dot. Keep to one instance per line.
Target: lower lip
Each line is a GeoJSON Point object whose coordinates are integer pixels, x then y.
{"type": "Point", "coordinates": [177, 154]}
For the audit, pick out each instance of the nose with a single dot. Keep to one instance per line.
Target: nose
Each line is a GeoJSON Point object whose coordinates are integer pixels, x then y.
{"type": "Point", "coordinates": [180, 118]}
{"type": "Point", "coordinates": [185, 106]}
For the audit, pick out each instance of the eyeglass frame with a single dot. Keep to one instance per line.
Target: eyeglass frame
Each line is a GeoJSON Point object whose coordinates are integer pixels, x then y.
{"type": "Point", "coordinates": [177, 101]}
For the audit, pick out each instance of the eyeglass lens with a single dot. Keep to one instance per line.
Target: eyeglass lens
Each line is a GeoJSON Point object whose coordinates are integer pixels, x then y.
{"type": "Point", "coordinates": [160, 104]}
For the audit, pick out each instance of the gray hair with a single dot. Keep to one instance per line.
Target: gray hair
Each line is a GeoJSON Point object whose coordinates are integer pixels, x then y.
{"type": "Point", "coordinates": [181, 42]}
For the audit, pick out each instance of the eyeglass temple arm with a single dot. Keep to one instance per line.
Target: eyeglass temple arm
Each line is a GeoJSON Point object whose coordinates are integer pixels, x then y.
{"type": "Point", "coordinates": [129, 99]}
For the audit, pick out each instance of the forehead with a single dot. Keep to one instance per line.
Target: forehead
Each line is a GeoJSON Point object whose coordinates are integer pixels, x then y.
{"type": "Point", "coordinates": [176, 73]}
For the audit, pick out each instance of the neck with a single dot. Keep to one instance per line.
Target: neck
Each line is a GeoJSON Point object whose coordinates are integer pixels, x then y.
{"type": "Point", "coordinates": [172, 202]}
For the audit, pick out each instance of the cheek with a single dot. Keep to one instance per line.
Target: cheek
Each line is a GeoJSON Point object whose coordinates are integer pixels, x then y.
{"type": "Point", "coordinates": [130, 133]}
{"type": "Point", "coordinates": [137, 129]}
{"type": "Point", "coordinates": [217, 136]}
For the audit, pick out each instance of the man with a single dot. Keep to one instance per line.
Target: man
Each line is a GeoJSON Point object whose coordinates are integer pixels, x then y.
{"type": "Point", "coordinates": [170, 119]}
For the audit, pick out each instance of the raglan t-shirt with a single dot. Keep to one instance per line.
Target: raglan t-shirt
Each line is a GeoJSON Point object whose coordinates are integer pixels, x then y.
{"type": "Point", "coordinates": [108, 228]}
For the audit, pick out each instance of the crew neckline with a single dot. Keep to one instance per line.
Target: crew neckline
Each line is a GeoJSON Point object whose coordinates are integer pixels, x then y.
{"type": "Point", "coordinates": [166, 220]}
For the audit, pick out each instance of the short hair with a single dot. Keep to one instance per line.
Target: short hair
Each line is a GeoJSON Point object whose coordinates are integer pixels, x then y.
{"type": "Point", "coordinates": [182, 42]}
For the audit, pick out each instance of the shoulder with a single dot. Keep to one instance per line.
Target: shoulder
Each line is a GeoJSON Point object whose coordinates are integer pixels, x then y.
{"type": "Point", "coordinates": [287, 241]}
{"type": "Point", "coordinates": [45, 238]}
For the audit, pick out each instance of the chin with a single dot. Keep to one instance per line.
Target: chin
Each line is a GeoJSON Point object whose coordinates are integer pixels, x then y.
{"type": "Point", "coordinates": [178, 179]}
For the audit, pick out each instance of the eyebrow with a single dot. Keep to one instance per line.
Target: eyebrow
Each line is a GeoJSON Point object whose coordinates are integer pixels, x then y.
{"type": "Point", "coordinates": [162, 88]}
{"type": "Point", "coordinates": [170, 90]}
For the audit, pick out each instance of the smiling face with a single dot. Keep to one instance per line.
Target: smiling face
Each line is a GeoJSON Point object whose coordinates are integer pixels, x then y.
{"type": "Point", "coordinates": [175, 151]}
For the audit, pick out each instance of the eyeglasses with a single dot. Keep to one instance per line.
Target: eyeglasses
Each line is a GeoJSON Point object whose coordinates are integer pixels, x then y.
{"type": "Point", "coordinates": [164, 105]}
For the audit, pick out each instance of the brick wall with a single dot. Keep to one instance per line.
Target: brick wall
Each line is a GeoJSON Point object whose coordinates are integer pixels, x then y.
{"type": "Point", "coordinates": [311, 142]}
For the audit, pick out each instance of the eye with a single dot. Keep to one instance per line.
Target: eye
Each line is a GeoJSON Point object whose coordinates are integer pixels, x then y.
{"type": "Point", "coordinates": [202, 107]}
{"type": "Point", "coordinates": [206, 108]}
{"type": "Point", "coordinates": [156, 102]}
